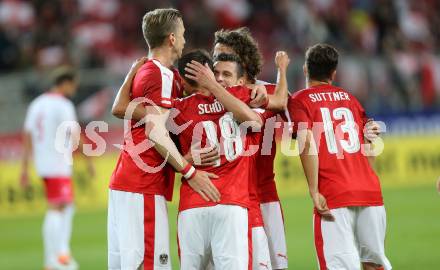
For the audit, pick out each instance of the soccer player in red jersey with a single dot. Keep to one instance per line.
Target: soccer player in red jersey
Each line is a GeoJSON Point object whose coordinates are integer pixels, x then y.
{"type": "Point", "coordinates": [329, 122]}
{"type": "Point", "coordinates": [138, 232]}
{"type": "Point", "coordinates": [225, 236]}
{"type": "Point", "coordinates": [229, 71]}
{"type": "Point", "coordinates": [241, 43]}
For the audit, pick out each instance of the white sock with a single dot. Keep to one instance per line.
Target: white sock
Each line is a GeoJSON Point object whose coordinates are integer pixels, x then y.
{"type": "Point", "coordinates": [51, 236]}
{"type": "Point", "coordinates": [66, 229]}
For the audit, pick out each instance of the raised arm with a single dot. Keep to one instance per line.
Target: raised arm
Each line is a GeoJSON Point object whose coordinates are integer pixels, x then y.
{"type": "Point", "coordinates": [204, 76]}
{"type": "Point", "coordinates": [122, 99]}
{"type": "Point", "coordinates": [278, 101]}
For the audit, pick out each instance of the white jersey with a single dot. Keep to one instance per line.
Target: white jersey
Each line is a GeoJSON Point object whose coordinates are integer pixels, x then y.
{"type": "Point", "coordinates": [45, 114]}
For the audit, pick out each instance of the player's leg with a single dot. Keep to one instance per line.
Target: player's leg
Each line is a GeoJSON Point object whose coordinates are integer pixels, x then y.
{"type": "Point", "coordinates": [335, 241]}
{"type": "Point", "coordinates": [161, 247]}
{"type": "Point", "coordinates": [68, 213]}
{"type": "Point", "coordinates": [114, 254]}
{"type": "Point", "coordinates": [66, 197]}
{"type": "Point", "coordinates": [127, 230]}
{"type": "Point", "coordinates": [372, 266]}
{"type": "Point", "coordinates": [274, 227]}
{"type": "Point", "coordinates": [156, 234]}
{"type": "Point", "coordinates": [260, 250]}
{"type": "Point", "coordinates": [57, 222]}
{"type": "Point", "coordinates": [371, 230]}
{"type": "Point", "coordinates": [193, 238]}
{"type": "Point", "coordinates": [229, 237]}
{"type": "Point", "coordinates": [52, 230]}
{"type": "Point", "coordinates": [209, 265]}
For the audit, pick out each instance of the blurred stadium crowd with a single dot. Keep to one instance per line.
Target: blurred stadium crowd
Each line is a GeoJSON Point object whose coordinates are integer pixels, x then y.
{"type": "Point", "coordinates": [390, 48]}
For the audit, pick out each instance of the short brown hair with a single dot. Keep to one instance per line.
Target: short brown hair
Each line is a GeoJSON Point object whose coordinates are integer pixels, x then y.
{"type": "Point", "coordinates": [158, 24]}
{"type": "Point", "coordinates": [225, 57]}
{"type": "Point", "coordinates": [245, 46]}
{"type": "Point", "coordinates": [321, 61]}
{"type": "Point", "coordinates": [62, 74]}
{"type": "Point", "coordinates": [200, 56]}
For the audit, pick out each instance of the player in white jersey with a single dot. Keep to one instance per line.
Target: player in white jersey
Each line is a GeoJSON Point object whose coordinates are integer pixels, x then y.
{"type": "Point", "coordinates": [50, 129]}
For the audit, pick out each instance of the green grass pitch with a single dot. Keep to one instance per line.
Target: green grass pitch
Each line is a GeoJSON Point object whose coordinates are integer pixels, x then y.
{"type": "Point", "coordinates": [413, 234]}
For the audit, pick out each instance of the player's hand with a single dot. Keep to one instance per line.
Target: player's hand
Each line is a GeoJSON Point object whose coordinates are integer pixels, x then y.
{"type": "Point", "coordinates": [201, 183]}
{"type": "Point", "coordinates": [320, 204]}
{"type": "Point", "coordinates": [282, 60]}
{"type": "Point", "coordinates": [207, 156]}
{"type": "Point", "coordinates": [202, 74]}
{"type": "Point", "coordinates": [138, 63]}
{"type": "Point", "coordinates": [258, 95]}
{"type": "Point", "coordinates": [371, 130]}
{"type": "Point", "coordinates": [24, 179]}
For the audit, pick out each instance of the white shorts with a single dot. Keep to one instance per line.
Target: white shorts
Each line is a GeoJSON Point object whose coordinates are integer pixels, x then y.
{"type": "Point", "coordinates": [357, 235]}
{"type": "Point", "coordinates": [274, 227]}
{"type": "Point", "coordinates": [217, 233]}
{"type": "Point", "coordinates": [260, 250]}
{"type": "Point", "coordinates": [137, 231]}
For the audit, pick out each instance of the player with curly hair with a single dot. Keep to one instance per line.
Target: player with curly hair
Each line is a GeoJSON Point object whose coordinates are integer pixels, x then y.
{"type": "Point", "coordinates": [241, 43]}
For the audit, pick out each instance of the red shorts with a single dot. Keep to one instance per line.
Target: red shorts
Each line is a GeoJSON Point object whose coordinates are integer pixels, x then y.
{"type": "Point", "coordinates": [58, 189]}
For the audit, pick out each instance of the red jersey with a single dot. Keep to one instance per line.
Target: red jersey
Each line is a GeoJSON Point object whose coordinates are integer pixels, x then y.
{"type": "Point", "coordinates": [144, 172]}
{"type": "Point", "coordinates": [337, 120]}
{"type": "Point", "coordinates": [210, 124]}
{"type": "Point", "coordinates": [265, 158]}
{"type": "Point", "coordinates": [255, 216]}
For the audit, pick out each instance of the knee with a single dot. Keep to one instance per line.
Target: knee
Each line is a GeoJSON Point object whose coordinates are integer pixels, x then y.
{"type": "Point", "coordinates": [57, 206]}
{"type": "Point", "coordinates": [372, 266]}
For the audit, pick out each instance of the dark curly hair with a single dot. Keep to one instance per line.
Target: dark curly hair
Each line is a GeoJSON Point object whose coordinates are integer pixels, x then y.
{"type": "Point", "coordinates": [245, 46]}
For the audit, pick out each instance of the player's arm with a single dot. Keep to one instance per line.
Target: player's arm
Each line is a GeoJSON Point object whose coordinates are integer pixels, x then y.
{"type": "Point", "coordinates": [122, 102]}
{"type": "Point", "coordinates": [27, 153]}
{"type": "Point", "coordinates": [122, 99]}
{"type": "Point", "coordinates": [204, 76]}
{"type": "Point", "coordinates": [157, 132]}
{"type": "Point", "coordinates": [278, 101]}
{"type": "Point", "coordinates": [302, 128]}
{"type": "Point", "coordinates": [310, 163]}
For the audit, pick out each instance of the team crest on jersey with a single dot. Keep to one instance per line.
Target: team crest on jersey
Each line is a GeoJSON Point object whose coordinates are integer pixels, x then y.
{"type": "Point", "coordinates": [163, 258]}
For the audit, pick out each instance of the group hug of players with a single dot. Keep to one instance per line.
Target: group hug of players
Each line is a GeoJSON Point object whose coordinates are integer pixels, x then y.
{"type": "Point", "coordinates": [208, 120]}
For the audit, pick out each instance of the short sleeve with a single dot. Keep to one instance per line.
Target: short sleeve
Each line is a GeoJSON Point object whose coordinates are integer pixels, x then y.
{"type": "Point", "coordinates": [299, 115]}
{"type": "Point", "coordinates": [264, 114]}
{"type": "Point", "coordinates": [68, 112]}
{"type": "Point", "coordinates": [176, 117]}
{"type": "Point", "coordinates": [158, 85]}
{"type": "Point", "coordinates": [270, 88]}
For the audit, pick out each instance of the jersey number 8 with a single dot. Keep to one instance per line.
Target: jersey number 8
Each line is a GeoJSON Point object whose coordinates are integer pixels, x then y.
{"type": "Point", "coordinates": [230, 136]}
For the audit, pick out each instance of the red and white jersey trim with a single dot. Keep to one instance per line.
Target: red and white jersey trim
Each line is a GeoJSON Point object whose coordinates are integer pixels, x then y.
{"type": "Point", "coordinates": [167, 84]}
